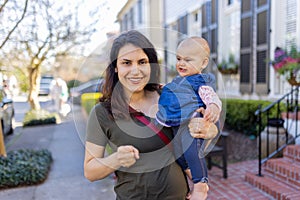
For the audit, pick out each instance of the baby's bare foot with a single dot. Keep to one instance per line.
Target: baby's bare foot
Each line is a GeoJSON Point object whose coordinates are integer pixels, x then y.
{"type": "Point", "coordinates": [200, 191]}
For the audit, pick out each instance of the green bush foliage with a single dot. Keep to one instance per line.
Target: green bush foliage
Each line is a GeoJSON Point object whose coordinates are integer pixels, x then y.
{"type": "Point", "coordinates": [73, 83]}
{"type": "Point", "coordinates": [88, 100]}
{"type": "Point", "coordinates": [40, 117]}
{"type": "Point", "coordinates": [24, 167]}
{"type": "Point", "coordinates": [240, 115]}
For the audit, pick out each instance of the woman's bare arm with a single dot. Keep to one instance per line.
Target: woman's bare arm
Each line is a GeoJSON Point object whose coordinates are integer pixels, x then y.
{"type": "Point", "coordinates": [96, 166]}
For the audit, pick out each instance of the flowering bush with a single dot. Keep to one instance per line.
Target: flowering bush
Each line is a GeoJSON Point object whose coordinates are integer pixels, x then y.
{"type": "Point", "coordinates": [287, 64]}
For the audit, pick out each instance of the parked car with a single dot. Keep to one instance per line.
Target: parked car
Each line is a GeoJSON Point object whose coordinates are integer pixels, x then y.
{"type": "Point", "coordinates": [87, 87]}
{"type": "Point", "coordinates": [45, 84]}
{"type": "Point", "coordinates": [7, 113]}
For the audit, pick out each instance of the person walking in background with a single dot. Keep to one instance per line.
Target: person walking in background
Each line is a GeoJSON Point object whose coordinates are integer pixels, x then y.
{"type": "Point", "coordinates": [59, 94]}
{"type": "Point", "coordinates": [178, 102]}
{"type": "Point", "coordinates": [142, 157]}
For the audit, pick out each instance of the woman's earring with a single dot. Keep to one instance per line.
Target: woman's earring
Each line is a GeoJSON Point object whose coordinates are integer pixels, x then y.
{"type": "Point", "coordinates": [116, 70]}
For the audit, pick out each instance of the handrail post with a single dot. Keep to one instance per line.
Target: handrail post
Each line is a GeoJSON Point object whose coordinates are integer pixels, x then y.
{"type": "Point", "coordinates": [297, 109]}
{"type": "Point", "coordinates": [259, 140]}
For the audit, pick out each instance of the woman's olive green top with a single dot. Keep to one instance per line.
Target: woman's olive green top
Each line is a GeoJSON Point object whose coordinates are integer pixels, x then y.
{"type": "Point", "coordinates": [155, 176]}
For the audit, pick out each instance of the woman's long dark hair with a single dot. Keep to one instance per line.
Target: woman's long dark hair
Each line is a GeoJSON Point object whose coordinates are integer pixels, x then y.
{"type": "Point", "coordinates": [111, 77]}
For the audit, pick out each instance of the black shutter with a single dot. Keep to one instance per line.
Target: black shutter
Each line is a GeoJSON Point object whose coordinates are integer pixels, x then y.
{"type": "Point", "coordinates": [262, 13]}
{"type": "Point", "coordinates": [246, 64]}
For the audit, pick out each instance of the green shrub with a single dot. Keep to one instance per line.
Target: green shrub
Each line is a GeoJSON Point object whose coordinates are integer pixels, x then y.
{"type": "Point", "coordinates": [73, 83]}
{"type": "Point", "coordinates": [240, 115]}
{"type": "Point", "coordinates": [88, 100]}
{"type": "Point", "coordinates": [40, 117]}
{"type": "Point", "coordinates": [24, 167]}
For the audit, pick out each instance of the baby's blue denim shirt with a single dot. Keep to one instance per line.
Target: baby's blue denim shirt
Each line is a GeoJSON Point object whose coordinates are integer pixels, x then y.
{"type": "Point", "coordinates": [179, 99]}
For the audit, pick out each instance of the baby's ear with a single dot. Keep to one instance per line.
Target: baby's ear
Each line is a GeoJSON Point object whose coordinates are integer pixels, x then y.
{"type": "Point", "coordinates": [205, 63]}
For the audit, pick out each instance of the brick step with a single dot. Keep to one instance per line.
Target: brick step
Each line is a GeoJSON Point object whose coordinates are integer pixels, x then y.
{"type": "Point", "coordinates": [292, 152]}
{"type": "Point", "coordinates": [284, 170]}
{"type": "Point", "coordinates": [277, 189]}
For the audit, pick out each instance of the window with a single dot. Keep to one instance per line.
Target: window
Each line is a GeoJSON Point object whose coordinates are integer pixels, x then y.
{"type": "Point", "coordinates": [209, 28]}
{"type": "Point", "coordinates": [229, 2]}
{"type": "Point", "coordinates": [261, 2]}
{"type": "Point", "coordinates": [125, 23]}
{"type": "Point", "coordinates": [182, 25]}
{"type": "Point", "coordinates": [213, 11]}
{"type": "Point", "coordinates": [204, 17]}
{"type": "Point", "coordinates": [140, 11]}
{"type": "Point", "coordinates": [213, 41]}
{"type": "Point", "coordinates": [246, 6]}
{"type": "Point", "coordinates": [261, 67]}
{"type": "Point", "coordinates": [196, 17]}
{"type": "Point", "coordinates": [262, 28]}
{"type": "Point", "coordinates": [246, 32]}
{"type": "Point", "coordinates": [131, 18]}
{"type": "Point", "coordinates": [245, 68]}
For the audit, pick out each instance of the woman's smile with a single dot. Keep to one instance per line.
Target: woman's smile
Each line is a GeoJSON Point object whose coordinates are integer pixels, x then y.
{"type": "Point", "coordinates": [135, 80]}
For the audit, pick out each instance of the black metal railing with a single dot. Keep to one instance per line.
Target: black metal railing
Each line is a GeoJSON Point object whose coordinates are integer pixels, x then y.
{"type": "Point", "coordinates": [271, 118]}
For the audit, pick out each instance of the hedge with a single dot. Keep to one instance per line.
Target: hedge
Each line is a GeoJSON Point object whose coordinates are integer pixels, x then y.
{"type": "Point", "coordinates": [88, 100]}
{"type": "Point", "coordinates": [40, 117]}
{"type": "Point", "coordinates": [24, 167]}
{"type": "Point", "coordinates": [240, 115]}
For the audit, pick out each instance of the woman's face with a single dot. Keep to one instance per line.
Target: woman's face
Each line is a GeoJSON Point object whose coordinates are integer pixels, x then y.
{"type": "Point", "coordinates": [133, 68]}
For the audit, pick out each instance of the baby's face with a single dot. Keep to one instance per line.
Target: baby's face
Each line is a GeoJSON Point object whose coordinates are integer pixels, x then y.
{"type": "Point", "coordinates": [190, 59]}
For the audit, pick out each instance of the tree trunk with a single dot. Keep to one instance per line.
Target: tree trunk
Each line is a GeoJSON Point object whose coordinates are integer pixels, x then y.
{"type": "Point", "coordinates": [33, 88]}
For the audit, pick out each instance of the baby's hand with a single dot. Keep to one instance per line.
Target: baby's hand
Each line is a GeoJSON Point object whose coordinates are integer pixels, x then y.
{"type": "Point", "coordinates": [212, 113]}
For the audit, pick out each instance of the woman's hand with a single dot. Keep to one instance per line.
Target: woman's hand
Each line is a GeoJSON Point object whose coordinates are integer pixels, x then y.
{"type": "Point", "coordinates": [127, 155]}
{"type": "Point", "coordinates": [200, 128]}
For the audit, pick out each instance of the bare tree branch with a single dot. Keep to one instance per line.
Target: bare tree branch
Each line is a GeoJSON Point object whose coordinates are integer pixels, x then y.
{"type": "Point", "coordinates": [50, 29]}
{"type": "Point", "coordinates": [17, 23]}
{"type": "Point", "coordinates": [3, 5]}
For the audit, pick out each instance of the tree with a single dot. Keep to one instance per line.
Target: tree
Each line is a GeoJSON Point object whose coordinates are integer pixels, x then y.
{"type": "Point", "coordinates": [51, 29]}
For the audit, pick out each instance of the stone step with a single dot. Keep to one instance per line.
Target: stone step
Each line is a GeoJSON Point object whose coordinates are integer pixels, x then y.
{"type": "Point", "coordinates": [277, 189]}
{"type": "Point", "coordinates": [284, 170]}
{"type": "Point", "coordinates": [292, 152]}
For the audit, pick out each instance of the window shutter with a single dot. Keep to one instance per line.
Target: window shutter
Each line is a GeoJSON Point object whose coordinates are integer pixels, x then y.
{"type": "Point", "coordinates": [246, 64]}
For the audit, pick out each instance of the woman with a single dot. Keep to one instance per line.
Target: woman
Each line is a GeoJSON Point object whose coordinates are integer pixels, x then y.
{"type": "Point", "coordinates": [143, 163]}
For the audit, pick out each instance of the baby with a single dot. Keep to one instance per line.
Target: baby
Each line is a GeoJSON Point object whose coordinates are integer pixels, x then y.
{"type": "Point", "coordinates": [178, 102]}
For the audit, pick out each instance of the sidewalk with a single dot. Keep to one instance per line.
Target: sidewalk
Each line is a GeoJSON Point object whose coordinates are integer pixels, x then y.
{"type": "Point", "coordinates": [65, 180]}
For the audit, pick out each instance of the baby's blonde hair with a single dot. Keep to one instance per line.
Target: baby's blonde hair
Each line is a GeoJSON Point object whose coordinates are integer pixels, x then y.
{"type": "Point", "coordinates": [203, 44]}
